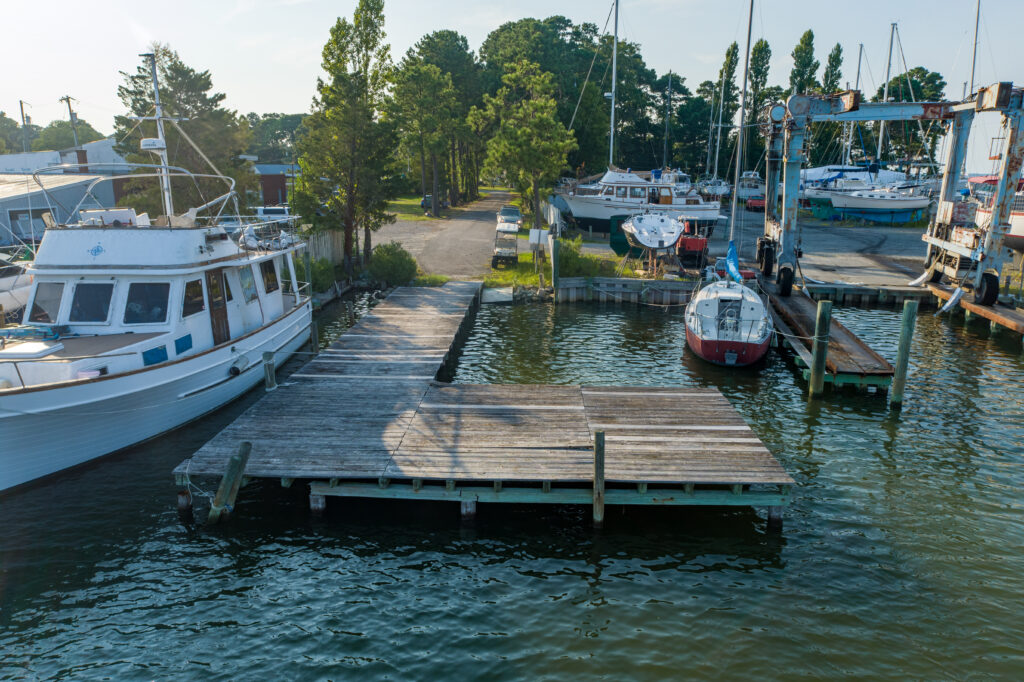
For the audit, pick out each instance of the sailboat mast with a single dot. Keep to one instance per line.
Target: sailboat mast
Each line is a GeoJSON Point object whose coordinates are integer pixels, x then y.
{"type": "Point", "coordinates": [165, 177]}
{"type": "Point", "coordinates": [668, 108]}
{"type": "Point", "coordinates": [739, 134]}
{"type": "Point", "coordinates": [974, 57]}
{"type": "Point", "coordinates": [885, 93]}
{"type": "Point", "coordinates": [615, 77]}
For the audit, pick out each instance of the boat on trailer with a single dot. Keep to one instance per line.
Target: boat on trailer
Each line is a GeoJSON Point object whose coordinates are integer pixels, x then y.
{"type": "Point", "coordinates": [134, 326]}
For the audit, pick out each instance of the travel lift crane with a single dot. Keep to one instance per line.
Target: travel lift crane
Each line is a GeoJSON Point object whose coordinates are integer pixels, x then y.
{"type": "Point", "coordinates": [955, 243]}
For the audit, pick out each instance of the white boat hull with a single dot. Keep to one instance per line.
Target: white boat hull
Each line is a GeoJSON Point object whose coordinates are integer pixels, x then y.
{"type": "Point", "coordinates": [881, 204]}
{"type": "Point", "coordinates": [602, 209]}
{"type": "Point", "coordinates": [47, 430]}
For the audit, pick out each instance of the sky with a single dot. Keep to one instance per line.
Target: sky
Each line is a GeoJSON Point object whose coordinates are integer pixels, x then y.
{"type": "Point", "coordinates": [265, 54]}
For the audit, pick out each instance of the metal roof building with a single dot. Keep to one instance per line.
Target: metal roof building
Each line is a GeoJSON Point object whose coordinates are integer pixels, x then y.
{"type": "Point", "coordinates": [23, 202]}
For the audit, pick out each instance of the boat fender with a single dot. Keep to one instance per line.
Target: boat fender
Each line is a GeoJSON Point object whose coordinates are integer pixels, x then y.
{"type": "Point", "coordinates": [238, 366]}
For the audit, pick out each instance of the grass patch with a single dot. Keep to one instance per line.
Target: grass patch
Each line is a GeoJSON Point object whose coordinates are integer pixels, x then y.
{"type": "Point", "coordinates": [425, 280]}
{"type": "Point", "coordinates": [522, 275]}
{"type": "Point", "coordinates": [407, 207]}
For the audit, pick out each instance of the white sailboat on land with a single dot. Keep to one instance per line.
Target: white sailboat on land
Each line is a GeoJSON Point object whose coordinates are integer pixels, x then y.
{"type": "Point", "coordinates": [136, 326]}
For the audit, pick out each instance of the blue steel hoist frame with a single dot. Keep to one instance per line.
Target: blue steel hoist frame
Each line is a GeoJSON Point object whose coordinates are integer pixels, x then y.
{"type": "Point", "coordinates": [956, 244]}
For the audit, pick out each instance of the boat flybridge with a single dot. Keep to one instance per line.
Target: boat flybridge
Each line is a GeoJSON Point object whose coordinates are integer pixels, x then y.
{"type": "Point", "coordinates": [136, 325]}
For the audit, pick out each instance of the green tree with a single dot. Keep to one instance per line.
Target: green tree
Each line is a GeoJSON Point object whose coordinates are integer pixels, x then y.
{"type": "Point", "coordinates": [424, 108]}
{"type": "Point", "coordinates": [760, 61]}
{"type": "Point", "coordinates": [833, 71]}
{"type": "Point", "coordinates": [347, 151]}
{"type": "Point", "coordinates": [59, 135]}
{"type": "Point", "coordinates": [905, 137]}
{"type": "Point", "coordinates": [274, 136]}
{"type": "Point", "coordinates": [13, 135]}
{"type": "Point", "coordinates": [530, 143]}
{"type": "Point", "coordinates": [222, 134]}
{"type": "Point", "coordinates": [802, 78]}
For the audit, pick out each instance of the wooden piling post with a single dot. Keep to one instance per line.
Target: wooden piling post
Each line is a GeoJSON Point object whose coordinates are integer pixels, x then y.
{"type": "Point", "coordinates": [598, 479]}
{"type": "Point", "coordinates": [227, 491]}
{"type": "Point", "coordinates": [269, 371]}
{"type": "Point", "coordinates": [317, 504]}
{"type": "Point", "coordinates": [819, 350]}
{"type": "Point", "coordinates": [314, 337]}
{"type": "Point", "coordinates": [775, 517]}
{"type": "Point", "coordinates": [899, 380]}
{"type": "Point", "coordinates": [185, 505]}
{"type": "Point", "coordinates": [555, 248]}
{"type": "Point", "coordinates": [307, 260]}
{"type": "Point", "coordinates": [468, 510]}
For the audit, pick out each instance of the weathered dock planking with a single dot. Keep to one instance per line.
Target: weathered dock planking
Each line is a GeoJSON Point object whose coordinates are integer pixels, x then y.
{"type": "Point", "coordinates": [367, 418]}
{"type": "Point", "coordinates": [998, 315]}
{"type": "Point", "coordinates": [849, 360]}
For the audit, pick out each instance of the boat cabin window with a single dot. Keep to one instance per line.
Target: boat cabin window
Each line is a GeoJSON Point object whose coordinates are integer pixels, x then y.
{"type": "Point", "coordinates": [46, 304]}
{"type": "Point", "coordinates": [620, 192]}
{"type": "Point", "coordinates": [609, 191]}
{"type": "Point", "coordinates": [637, 193]}
{"type": "Point", "coordinates": [269, 276]}
{"type": "Point", "coordinates": [248, 284]}
{"type": "Point", "coordinates": [194, 301]}
{"type": "Point", "coordinates": [91, 302]}
{"type": "Point", "coordinates": [147, 303]}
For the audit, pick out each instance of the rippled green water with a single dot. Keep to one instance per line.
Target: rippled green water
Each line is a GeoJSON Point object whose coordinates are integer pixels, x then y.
{"type": "Point", "coordinates": [901, 554]}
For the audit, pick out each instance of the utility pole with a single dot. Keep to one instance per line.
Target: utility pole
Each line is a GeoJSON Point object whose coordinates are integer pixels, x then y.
{"type": "Point", "coordinates": [71, 115]}
{"type": "Point", "coordinates": [885, 94]}
{"type": "Point", "coordinates": [24, 126]}
{"type": "Point", "coordinates": [668, 108]}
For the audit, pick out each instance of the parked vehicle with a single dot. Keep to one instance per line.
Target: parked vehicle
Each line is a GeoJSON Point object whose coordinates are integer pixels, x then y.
{"type": "Point", "coordinates": [428, 199]}
{"type": "Point", "coordinates": [510, 214]}
{"type": "Point", "coordinates": [756, 203]}
{"type": "Point", "coordinates": [506, 248]}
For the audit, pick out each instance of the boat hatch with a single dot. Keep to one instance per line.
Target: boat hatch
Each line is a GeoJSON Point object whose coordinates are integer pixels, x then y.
{"type": "Point", "coordinates": [30, 350]}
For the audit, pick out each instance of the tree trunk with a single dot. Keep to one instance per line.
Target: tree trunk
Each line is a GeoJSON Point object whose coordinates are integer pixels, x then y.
{"type": "Point", "coordinates": [349, 230]}
{"type": "Point", "coordinates": [423, 168]}
{"type": "Point", "coordinates": [536, 202]}
{"type": "Point", "coordinates": [367, 245]}
{"type": "Point", "coordinates": [434, 200]}
{"type": "Point", "coordinates": [453, 175]}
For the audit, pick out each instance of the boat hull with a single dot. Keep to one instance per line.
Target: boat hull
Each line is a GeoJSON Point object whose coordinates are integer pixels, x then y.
{"type": "Point", "coordinates": [727, 353]}
{"type": "Point", "coordinates": [48, 430]}
{"type": "Point", "coordinates": [597, 212]}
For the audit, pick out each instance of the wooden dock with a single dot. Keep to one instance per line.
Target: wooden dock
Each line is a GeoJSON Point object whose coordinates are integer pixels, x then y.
{"type": "Point", "coordinates": [367, 418]}
{"type": "Point", "coordinates": [849, 361]}
{"type": "Point", "coordinates": [998, 315]}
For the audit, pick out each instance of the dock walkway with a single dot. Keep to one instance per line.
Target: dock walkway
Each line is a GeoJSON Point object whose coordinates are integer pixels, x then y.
{"type": "Point", "coordinates": [367, 418]}
{"type": "Point", "coordinates": [998, 315]}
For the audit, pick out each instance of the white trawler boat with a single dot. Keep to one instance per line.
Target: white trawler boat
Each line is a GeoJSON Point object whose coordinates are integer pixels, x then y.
{"type": "Point", "coordinates": [750, 184]}
{"type": "Point", "coordinates": [626, 193]}
{"type": "Point", "coordinates": [652, 231]}
{"type": "Point", "coordinates": [137, 326]}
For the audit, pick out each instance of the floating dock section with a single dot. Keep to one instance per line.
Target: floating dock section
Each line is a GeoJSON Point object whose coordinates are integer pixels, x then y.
{"type": "Point", "coordinates": [368, 418]}
{"type": "Point", "coordinates": [849, 361]}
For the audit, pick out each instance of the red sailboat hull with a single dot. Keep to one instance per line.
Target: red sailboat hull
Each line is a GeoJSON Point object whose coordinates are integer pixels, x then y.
{"type": "Point", "coordinates": [729, 353]}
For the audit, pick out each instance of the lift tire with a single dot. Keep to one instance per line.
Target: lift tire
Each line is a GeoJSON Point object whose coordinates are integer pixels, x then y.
{"type": "Point", "coordinates": [987, 292]}
{"type": "Point", "coordinates": [932, 264]}
{"type": "Point", "coordinates": [785, 281]}
{"type": "Point", "coordinates": [936, 276]}
{"type": "Point", "coordinates": [767, 261]}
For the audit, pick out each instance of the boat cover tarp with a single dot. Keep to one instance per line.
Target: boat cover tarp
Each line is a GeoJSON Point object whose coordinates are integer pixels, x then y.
{"type": "Point", "coordinates": [823, 173]}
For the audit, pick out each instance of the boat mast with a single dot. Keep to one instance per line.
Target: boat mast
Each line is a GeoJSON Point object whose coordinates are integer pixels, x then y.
{"type": "Point", "coordinates": [885, 94]}
{"type": "Point", "coordinates": [849, 126]}
{"type": "Point", "coordinates": [739, 134]}
{"type": "Point", "coordinates": [974, 57]}
{"type": "Point", "coordinates": [615, 77]}
{"type": "Point", "coordinates": [668, 108]}
{"type": "Point", "coordinates": [165, 177]}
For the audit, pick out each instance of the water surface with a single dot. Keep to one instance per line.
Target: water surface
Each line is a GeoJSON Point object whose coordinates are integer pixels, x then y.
{"type": "Point", "coordinates": [900, 557]}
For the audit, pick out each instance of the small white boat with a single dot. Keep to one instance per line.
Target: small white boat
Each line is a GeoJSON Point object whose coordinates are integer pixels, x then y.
{"type": "Point", "coordinates": [727, 323]}
{"type": "Point", "coordinates": [134, 327]}
{"type": "Point", "coordinates": [751, 184]}
{"type": "Point", "coordinates": [714, 189]}
{"type": "Point", "coordinates": [15, 285]}
{"type": "Point", "coordinates": [653, 231]}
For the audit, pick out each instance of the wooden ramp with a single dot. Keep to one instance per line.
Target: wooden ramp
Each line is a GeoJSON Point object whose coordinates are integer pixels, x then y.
{"type": "Point", "coordinates": [366, 418]}
{"type": "Point", "coordinates": [998, 314]}
{"type": "Point", "coordinates": [849, 359]}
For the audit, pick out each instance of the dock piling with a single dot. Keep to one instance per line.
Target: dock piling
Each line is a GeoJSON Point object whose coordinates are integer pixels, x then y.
{"type": "Point", "coordinates": [185, 505]}
{"type": "Point", "coordinates": [227, 491]}
{"type": "Point", "coordinates": [899, 380]}
{"type": "Point", "coordinates": [269, 371]}
{"type": "Point", "coordinates": [468, 510]}
{"type": "Point", "coordinates": [598, 479]}
{"type": "Point", "coordinates": [317, 504]}
{"type": "Point", "coordinates": [314, 337]}
{"type": "Point", "coordinates": [819, 351]}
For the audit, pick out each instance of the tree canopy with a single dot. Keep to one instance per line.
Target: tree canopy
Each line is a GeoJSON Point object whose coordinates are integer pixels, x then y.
{"type": "Point", "coordinates": [802, 78]}
{"type": "Point", "coordinates": [59, 135]}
